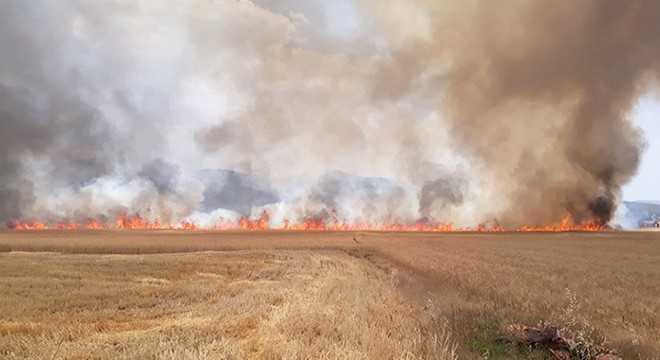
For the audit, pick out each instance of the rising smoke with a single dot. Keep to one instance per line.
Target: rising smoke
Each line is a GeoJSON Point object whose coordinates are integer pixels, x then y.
{"type": "Point", "coordinates": [513, 111]}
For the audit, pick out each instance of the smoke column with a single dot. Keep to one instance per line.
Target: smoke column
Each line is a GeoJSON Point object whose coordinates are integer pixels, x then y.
{"type": "Point", "coordinates": [371, 111]}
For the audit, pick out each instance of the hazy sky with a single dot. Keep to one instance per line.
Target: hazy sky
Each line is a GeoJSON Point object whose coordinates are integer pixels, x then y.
{"type": "Point", "coordinates": [646, 185]}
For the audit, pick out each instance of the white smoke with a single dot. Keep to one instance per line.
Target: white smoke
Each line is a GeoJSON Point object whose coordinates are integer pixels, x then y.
{"type": "Point", "coordinates": [309, 109]}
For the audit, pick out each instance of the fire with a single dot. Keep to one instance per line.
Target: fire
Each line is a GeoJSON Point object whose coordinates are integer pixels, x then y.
{"type": "Point", "coordinates": [125, 221]}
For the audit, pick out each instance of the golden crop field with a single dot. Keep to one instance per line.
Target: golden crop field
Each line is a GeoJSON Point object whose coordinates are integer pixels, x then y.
{"type": "Point", "coordinates": [321, 295]}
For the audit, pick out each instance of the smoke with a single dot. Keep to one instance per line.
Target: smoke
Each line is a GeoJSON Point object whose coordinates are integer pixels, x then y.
{"type": "Point", "coordinates": [438, 197]}
{"type": "Point", "coordinates": [368, 111]}
{"type": "Point", "coordinates": [540, 94]}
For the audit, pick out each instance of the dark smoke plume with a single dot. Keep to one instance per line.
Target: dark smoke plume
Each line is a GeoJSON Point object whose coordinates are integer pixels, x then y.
{"type": "Point", "coordinates": [540, 93]}
{"type": "Point", "coordinates": [513, 111]}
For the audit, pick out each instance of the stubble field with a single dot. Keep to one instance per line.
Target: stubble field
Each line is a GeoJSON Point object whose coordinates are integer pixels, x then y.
{"type": "Point", "coordinates": [311, 295]}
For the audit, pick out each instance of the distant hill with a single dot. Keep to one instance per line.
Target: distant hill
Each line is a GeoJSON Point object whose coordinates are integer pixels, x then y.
{"type": "Point", "coordinates": [642, 213]}
{"type": "Point", "coordinates": [648, 202]}
{"type": "Point", "coordinates": [643, 206]}
{"type": "Point", "coordinates": [232, 190]}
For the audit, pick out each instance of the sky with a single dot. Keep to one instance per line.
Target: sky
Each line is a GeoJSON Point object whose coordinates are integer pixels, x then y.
{"type": "Point", "coordinates": [646, 184]}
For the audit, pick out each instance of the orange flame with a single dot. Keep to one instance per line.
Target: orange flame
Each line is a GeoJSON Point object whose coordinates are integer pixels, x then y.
{"type": "Point", "coordinates": [125, 221]}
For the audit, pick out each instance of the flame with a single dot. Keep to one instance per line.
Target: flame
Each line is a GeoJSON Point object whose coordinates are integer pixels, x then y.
{"type": "Point", "coordinates": [125, 221]}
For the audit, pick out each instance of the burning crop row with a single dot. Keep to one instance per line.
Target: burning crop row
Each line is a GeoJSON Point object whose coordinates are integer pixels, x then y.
{"type": "Point", "coordinates": [263, 222]}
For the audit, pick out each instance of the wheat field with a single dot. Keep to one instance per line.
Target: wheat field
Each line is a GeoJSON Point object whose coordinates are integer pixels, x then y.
{"type": "Point", "coordinates": [316, 295]}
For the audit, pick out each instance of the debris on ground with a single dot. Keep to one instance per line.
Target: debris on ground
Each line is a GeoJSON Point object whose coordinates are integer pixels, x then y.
{"type": "Point", "coordinates": [562, 348]}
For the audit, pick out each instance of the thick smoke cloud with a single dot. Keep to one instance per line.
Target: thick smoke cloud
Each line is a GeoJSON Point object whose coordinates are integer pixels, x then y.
{"type": "Point", "coordinates": [596, 67]}
{"type": "Point", "coordinates": [540, 94]}
{"type": "Point", "coordinates": [391, 111]}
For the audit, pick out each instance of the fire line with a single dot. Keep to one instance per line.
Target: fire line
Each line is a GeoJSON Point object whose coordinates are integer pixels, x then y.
{"type": "Point", "coordinates": [263, 223]}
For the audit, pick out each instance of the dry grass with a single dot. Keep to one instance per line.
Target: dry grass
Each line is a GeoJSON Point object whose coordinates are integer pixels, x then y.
{"type": "Point", "coordinates": [240, 305]}
{"type": "Point", "coordinates": [323, 295]}
{"type": "Point", "coordinates": [604, 287]}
